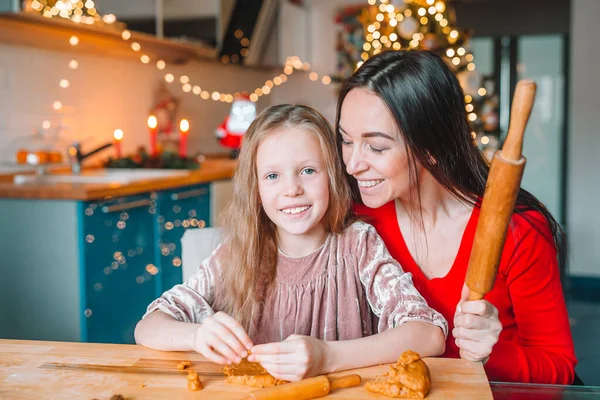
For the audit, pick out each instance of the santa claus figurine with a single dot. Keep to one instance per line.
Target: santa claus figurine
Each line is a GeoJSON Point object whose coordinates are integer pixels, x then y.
{"type": "Point", "coordinates": [231, 132]}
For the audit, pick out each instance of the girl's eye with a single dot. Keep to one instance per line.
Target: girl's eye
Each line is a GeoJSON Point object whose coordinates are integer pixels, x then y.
{"type": "Point", "coordinates": [308, 171]}
{"type": "Point", "coordinates": [346, 142]}
{"type": "Point", "coordinates": [271, 176]}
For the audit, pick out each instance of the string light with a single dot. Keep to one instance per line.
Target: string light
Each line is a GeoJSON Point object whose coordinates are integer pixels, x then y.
{"type": "Point", "coordinates": [75, 11]}
{"type": "Point", "coordinates": [380, 34]}
{"type": "Point", "coordinates": [73, 64]}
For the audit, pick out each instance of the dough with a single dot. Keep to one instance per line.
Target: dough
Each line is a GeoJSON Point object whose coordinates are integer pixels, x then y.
{"type": "Point", "coordinates": [245, 367]}
{"type": "Point", "coordinates": [261, 380]}
{"type": "Point", "coordinates": [251, 374]}
{"type": "Point", "coordinates": [194, 383]}
{"type": "Point", "coordinates": [183, 365]}
{"type": "Point", "coordinates": [408, 378]}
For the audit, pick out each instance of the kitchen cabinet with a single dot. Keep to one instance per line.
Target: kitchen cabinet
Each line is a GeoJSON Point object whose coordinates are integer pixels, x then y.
{"type": "Point", "coordinates": [132, 254]}
{"type": "Point", "coordinates": [180, 209]}
{"type": "Point", "coordinates": [87, 270]}
{"type": "Point", "coordinates": [118, 262]}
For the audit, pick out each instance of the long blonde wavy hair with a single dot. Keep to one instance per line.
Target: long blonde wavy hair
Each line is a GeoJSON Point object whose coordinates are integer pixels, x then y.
{"type": "Point", "coordinates": [249, 251]}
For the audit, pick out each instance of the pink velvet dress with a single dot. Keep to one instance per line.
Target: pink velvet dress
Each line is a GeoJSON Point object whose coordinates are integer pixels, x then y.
{"type": "Point", "coordinates": [348, 288]}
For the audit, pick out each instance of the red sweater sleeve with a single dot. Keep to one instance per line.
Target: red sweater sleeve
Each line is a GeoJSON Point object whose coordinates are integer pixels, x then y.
{"type": "Point", "coordinates": [543, 350]}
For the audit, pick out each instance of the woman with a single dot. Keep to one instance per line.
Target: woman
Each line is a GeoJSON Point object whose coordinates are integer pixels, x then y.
{"type": "Point", "coordinates": [419, 179]}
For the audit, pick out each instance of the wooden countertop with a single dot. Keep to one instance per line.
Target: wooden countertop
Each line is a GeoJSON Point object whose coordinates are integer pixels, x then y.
{"type": "Point", "coordinates": [210, 170]}
{"type": "Point", "coordinates": [35, 370]}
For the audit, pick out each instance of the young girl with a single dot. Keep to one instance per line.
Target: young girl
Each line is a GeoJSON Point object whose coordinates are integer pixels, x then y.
{"type": "Point", "coordinates": [293, 281]}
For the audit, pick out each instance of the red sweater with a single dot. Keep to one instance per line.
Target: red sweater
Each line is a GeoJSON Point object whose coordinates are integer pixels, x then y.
{"type": "Point", "coordinates": [535, 344]}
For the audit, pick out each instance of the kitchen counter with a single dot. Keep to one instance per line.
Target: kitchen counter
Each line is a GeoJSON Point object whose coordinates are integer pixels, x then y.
{"type": "Point", "coordinates": [34, 370]}
{"type": "Point", "coordinates": [210, 170]}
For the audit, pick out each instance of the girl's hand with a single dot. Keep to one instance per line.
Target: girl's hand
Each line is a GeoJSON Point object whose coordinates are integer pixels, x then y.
{"type": "Point", "coordinates": [221, 339]}
{"type": "Point", "coordinates": [295, 358]}
{"type": "Point", "coordinates": [476, 328]}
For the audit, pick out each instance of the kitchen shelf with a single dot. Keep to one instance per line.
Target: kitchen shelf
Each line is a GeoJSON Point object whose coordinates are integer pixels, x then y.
{"type": "Point", "coordinates": [29, 29]}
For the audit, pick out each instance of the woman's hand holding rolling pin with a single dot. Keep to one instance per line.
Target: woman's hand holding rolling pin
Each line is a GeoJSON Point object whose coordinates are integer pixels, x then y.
{"type": "Point", "coordinates": [476, 328]}
{"type": "Point", "coordinates": [295, 358]}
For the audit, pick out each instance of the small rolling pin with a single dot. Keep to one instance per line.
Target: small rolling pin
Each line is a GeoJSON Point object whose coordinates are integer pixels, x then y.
{"type": "Point", "coordinates": [503, 183]}
{"type": "Point", "coordinates": [305, 389]}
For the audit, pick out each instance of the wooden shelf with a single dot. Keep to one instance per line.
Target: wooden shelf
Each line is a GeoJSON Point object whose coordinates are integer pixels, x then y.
{"type": "Point", "coordinates": [28, 29]}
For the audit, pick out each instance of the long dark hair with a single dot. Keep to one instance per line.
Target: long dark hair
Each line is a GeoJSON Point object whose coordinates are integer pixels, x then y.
{"type": "Point", "coordinates": [427, 103]}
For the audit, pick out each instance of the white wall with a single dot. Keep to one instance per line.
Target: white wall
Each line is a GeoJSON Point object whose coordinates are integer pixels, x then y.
{"type": "Point", "coordinates": [583, 184]}
{"type": "Point", "coordinates": [322, 57]}
{"type": "Point", "coordinates": [541, 59]}
{"type": "Point", "coordinates": [106, 94]}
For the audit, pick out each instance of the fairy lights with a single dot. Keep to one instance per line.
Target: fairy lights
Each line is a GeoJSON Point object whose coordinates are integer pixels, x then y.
{"type": "Point", "coordinates": [417, 24]}
{"type": "Point", "coordinates": [412, 26]}
{"type": "Point", "coordinates": [86, 13]}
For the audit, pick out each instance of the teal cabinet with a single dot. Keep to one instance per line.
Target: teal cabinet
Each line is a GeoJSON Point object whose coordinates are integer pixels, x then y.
{"type": "Point", "coordinates": [119, 266]}
{"type": "Point", "coordinates": [180, 209]}
{"type": "Point", "coordinates": [132, 254]}
{"type": "Point", "coordinates": [86, 271]}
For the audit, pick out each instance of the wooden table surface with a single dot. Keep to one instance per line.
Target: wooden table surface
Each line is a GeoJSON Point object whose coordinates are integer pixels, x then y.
{"type": "Point", "coordinates": [210, 170]}
{"type": "Point", "coordinates": [61, 370]}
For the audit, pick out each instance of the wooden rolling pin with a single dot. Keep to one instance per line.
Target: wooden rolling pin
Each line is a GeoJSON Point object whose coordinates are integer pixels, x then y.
{"type": "Point", "coordinates": [305, 389]}
{"type": "Point", "coordinates": [500, 197]}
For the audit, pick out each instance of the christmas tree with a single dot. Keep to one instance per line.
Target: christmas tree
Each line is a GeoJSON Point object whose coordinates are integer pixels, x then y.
{"type": "Point", "coordinates": [419, 24]}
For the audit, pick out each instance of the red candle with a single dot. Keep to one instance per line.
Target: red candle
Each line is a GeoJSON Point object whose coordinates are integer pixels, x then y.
{"type": "Point", "coordinates": [118, 135]}
{"type": "Point", "coordinates": [153, 126]}
{"type": "Point", "coordinates": [184, 127]}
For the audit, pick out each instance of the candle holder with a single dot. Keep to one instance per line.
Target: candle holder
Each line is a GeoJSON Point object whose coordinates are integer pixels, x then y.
{"type": "Point", "coordinates": [165, 160]}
